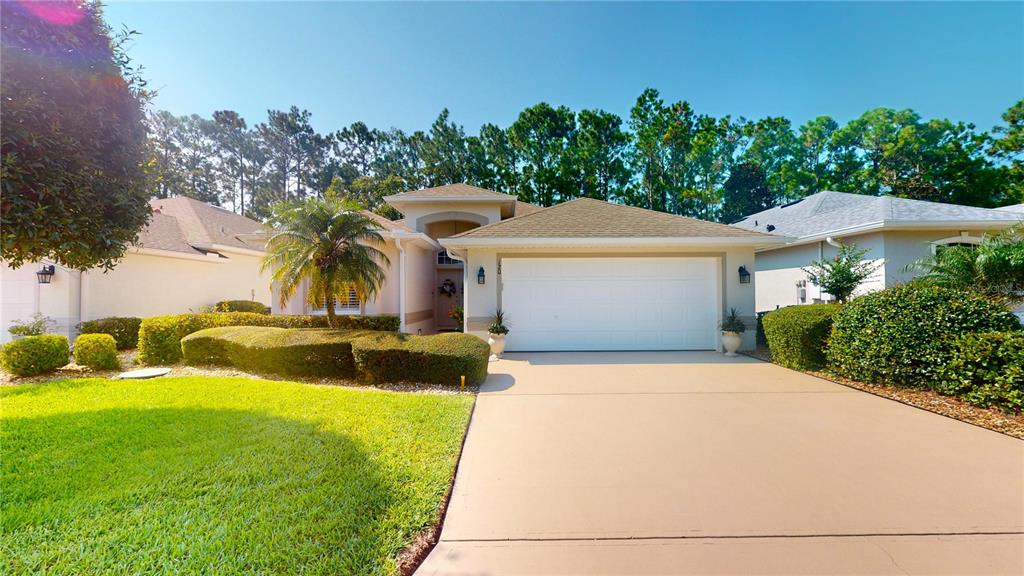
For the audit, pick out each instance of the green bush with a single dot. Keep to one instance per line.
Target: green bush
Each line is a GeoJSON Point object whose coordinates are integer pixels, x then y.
{"type": "Point", "coordinates": [241, 306]}
{"type": "Point", "coordinates": [986, 369]}
{"type": "Point", "coordinates": [797, 335]}
{"type": "Point", "coordinates": [98, 351]}
{"type": "Point", "coordinates": [439, 359]}
{"type": "Point", "coordinates": [903, 335]}
{"type": "Point", "coordinates": [34, 354]}
{"type": "Point", "coordinates": [268, 350]}
{"type": "Point", "coordinates": [125, 330]}
{"type": "Point", "coordinates": [160, 336]}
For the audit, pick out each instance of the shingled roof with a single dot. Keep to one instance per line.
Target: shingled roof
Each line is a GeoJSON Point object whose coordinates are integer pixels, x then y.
{"type": "Point", "coordinates": [589, 218]}
{"type": "Point", "coordinates": [452, 191]}
{"type": "Point", "coordinates": [190, 226]}
{"type": "Point", "coordinates": [828, 212]}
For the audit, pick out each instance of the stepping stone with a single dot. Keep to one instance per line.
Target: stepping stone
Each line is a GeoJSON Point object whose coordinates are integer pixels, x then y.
{"type": "Point", "coordinates": [144, 373]}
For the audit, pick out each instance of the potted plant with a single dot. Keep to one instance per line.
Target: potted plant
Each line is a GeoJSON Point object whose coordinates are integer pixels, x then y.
{"type": "Point", "coordinates": [732, 331]}
{"type": "Point", "coordinates": [497, 332]}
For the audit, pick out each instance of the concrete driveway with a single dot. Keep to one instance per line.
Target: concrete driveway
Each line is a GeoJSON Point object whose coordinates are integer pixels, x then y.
{"type": "Point", "coordinates": [692, 463]}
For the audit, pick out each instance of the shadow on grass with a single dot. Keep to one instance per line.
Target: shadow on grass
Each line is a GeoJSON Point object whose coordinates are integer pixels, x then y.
{"type": "Point", "coordinates": [186, 490]}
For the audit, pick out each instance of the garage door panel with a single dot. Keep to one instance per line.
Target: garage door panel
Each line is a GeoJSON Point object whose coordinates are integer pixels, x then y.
{"type": "Point", "coordinates": [611, 303]}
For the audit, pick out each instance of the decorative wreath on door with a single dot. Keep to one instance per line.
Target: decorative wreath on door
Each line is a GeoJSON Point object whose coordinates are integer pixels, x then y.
{"type": "Point", "coordinates": [447, 287]}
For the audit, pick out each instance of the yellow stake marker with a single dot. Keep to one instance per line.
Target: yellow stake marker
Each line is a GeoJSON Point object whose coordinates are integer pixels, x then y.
{"type": "Point", "coordinates": [462, 384]}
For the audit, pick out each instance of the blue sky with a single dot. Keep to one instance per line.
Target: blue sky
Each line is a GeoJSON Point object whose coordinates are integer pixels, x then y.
{"type": "Point", "coordinates": [400, 64]}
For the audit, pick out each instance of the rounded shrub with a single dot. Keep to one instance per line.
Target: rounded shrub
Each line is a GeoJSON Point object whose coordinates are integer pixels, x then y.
{"type": "Point", "coordinates": [34, 354]}
{"type": "Point", "coordinates": [160, 336]}
{"type": "Point", "coordinates": [437, 359]}
{"type": "Point", "coordinates": [125, 330]}
{"type": "Point", "coordinates": [986, 369]}
{"type": "Point", "coordinates": [903, 335]}
{"type": "Point", "coordinates": [241, 306]}
{"type": "Point", "coordinates": [797, 335]}
{"type": "Point", "coordinates": [268, 350]}
{"type": "Point", "coordinates": [97, 351]}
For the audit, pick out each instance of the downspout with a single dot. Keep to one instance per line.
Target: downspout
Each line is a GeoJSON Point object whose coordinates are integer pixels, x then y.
{"type": "Point", "coordinates": [402, 286]}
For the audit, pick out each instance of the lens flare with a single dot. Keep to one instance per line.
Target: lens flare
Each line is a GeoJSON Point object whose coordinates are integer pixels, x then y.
{"type": "Point", "coordinates": [62, 13]}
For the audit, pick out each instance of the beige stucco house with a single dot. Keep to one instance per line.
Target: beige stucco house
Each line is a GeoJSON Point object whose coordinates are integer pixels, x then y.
{"type": "Point", "coordinates": [895, 231]}
{"type": "Point", "coordinates": [583, 275]}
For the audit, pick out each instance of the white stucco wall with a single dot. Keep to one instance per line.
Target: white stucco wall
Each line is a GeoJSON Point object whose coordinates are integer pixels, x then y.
{"type": "Point", "coordinates": [481, 301]}
{"type": "Point", "coordinates": [144, 285]}
{"type": "Point", "coordinates": [780, 269]}
{"type": "Point", "coordinates": [21, 296]}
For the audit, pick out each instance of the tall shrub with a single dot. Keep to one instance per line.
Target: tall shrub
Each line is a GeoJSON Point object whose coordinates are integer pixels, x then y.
{"type": "Point", "coordinates": [987, 370]}
{"type": "Point", "coordinates": [903, 335]}
{"type": "Point", "coordinates": [797, 335]}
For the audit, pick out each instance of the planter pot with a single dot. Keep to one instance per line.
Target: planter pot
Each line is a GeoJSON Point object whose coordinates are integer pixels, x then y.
{"type": "Point", "coordinates": [497, 342]}
{"type": "Point", "coordinates": [731, 341]}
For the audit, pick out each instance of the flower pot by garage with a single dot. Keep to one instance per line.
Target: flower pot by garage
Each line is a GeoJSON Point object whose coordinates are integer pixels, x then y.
{"type": "Point", "coordinates": [497, 342]}
{"type": "Point", "coordinates": [731, 341]}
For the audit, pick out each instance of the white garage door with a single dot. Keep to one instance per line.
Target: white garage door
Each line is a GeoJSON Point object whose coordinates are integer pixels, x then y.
{"type": "Point", "coordinates": [611, 303]}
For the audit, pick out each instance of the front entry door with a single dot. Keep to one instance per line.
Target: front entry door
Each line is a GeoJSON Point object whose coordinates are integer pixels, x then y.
{"type": "Point", "coordinates": [443, 303]}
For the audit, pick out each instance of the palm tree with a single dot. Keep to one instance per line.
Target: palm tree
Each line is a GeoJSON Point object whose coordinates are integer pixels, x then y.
{"type": "Point", "coordinates": [331, 244]}
{"type": "Point", "coordinates": [995, 267]}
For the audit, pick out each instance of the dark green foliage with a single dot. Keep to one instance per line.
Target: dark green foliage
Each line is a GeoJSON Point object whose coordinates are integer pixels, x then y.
{"type": "Point", "coordinates": [797, 335]}
{"type": "Point", "coordinates": [125, 330]}
{"type": "Point", "coordinates": [439, 359]}
{"type": "Point", "coordinates": [160, 336]}
{"type": "Point", "coordinates": [284, 351]}
{"type": "Point", "coordinates": [34, 354]}
{"type": "Point", "coordinates": [986, 369]}
{"type": "Point", "coordinates": [241, 306]}
{"type": "Point", "coordinates": [903, 335]}
{"type": "Point", "coordinates": [74, 143]}
{"type": "Point", "coordinates": [98, 351]}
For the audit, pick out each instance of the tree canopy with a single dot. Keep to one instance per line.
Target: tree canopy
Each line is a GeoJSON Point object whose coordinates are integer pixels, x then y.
{"type": "Point", "coordinates": [664, 156]}
{"type": "Point", "coordinates": [74, 145]}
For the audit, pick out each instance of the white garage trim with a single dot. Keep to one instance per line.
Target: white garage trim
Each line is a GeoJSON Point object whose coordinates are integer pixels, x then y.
{"type": "Point", "coordinates": [612, 302]}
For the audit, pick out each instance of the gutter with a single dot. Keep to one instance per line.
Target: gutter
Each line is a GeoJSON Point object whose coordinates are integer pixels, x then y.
{"type": "Point", "coordinates": [652, 242]}
{"type": "Point", "coordinates": [902, 225]}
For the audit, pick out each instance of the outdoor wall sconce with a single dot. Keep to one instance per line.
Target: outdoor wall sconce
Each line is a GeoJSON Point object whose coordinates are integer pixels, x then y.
{"type": "Point", "coordinates": [744, 275]}
{"type": "Point", "coordinates": [481, 278]}
{"type": "Point", "coordinates": [45, 274]}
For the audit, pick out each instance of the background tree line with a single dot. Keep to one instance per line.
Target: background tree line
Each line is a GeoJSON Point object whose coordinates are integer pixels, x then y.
{"type": "Point", "coordinates": [664, 156]}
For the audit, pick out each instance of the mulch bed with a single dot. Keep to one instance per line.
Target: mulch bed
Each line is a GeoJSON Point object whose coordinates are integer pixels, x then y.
{"type": "Point", "coordinates": [990, 418]}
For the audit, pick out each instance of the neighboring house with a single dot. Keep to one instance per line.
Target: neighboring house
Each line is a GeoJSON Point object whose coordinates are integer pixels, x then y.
{"type": "Point", "coordinates": [190, 255]}
{"type": "Point", "coordinates": [895, 231]}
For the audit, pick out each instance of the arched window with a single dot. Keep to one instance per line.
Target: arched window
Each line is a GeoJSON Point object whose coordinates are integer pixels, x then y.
{"type": "Point", "coordinates": [962, 240]}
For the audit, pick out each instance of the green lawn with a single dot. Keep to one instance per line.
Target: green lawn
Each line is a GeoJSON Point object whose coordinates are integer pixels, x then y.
{"type": "Point", "coordinates": [219, 475]}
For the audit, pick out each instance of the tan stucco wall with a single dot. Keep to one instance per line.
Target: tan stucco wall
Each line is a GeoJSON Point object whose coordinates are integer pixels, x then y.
{"type": "Point", "coordinates": [482, 300]}
{"type": "Point", "coordinates": [419, 296]}
{"type": "Point", "coordinates": [144, 285]}
{"type": "Point", "coordinates": [419, 215]}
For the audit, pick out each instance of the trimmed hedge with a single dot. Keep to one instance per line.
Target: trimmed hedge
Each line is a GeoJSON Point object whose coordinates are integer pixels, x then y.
{"type": "Point", "coordinates": [268, 350]}
{"type": "Point", "coordinates": [160, 336]}
{"type": "Point", "coordinates": [371, 355]}
{"type": "Point", "coordinates": [986, 369]}
{"type": "Point", "coordinates": [241, 306]}
{"type": "Point", "coordinates": [438, 359]}
{"type": "Point", "coordinates": [797, 335]}
{"type": "Point", "coordinates": [903, 335]}
{"type": "Point", "coordinates": [34, 354]}
{"type": "Point", "coordinates": [125, 330]}
{"type": "Point", "coordinates": [98, 351]}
